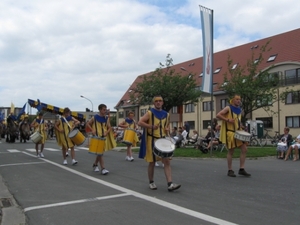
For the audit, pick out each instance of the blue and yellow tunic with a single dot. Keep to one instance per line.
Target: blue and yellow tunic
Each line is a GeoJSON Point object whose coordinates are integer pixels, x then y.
{"type": "Point", "coordinates": [40, 126]}
{"type": "Point", "coordinates": [101, 126]}
{"type": "Point", "coordinates": [132, 125]}
{"type": "Point", "coordinates": [228, 129]}
{"type": "Point", "coordinates": [67, 124]}
{"type": "Point", "coordinates": [160, 118]}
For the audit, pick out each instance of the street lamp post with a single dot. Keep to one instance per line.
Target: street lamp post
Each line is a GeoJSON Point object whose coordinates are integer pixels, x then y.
{"type": "Point", "coordinates": [88, 100]}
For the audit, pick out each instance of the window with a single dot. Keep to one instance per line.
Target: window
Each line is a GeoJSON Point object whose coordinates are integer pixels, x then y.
{"type": "Point", "coordinates": [268, 121]}
{"type": "Point", "coordinates": [293, 121]}
{"type": "Point", "coordinates": [174, 109]}
{"type": "Point", "coordinates": [293, 98]}
{"type": "Point", "coordinates": [207, 106]}
{"type": "Point", "coordinates": [265, 100]}
{"type": "Point", "coordinates": [234, 66]}
{"type": "Point", "coordinates": [189, 108]}
{"type": "Point", "coordinates": [224, 103]}
{"type": "Point", "coordinates": [256, 61]}
{"type": "Point", "coordinates": [292, 76]}
{"type": "Point", "coordinates": [143, 111]}
{"type": "Point", "coordinates": [217, 70]}
{"type": "Point", "coordinates": [121, 114]}
{"type": "Point", "coordinates": [206, 123]}
{"type": "Point", "coordinates": [192, 126]}
{"type": "Point", "coordinates": [272, 58]}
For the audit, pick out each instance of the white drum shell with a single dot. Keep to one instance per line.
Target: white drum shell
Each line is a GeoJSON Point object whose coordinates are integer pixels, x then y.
{"type": "Point", "coordinates": [163, 148]}
{"type": "Point", "coordinates": [242, 136]}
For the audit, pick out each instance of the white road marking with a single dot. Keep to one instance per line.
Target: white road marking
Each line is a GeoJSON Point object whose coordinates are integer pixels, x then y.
{"type": "Point", "coordinates": [13, 150]}
{"type": "Point", "coordinates": [75, 202]}
{"type": "Point", "coordinates": [168, 205]}
{"type": "Point", "coordinates": [52, 149]}
{"type": "Point", "coordinates": [30, 149]}
{"type": "Point", "coordinates": [21, 164]}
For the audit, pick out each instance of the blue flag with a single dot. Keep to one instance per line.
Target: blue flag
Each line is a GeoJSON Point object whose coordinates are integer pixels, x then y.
{"type": "Point", "coordinates": [39, 105]}
{"type": "Point", "coordinates": [22, 111]}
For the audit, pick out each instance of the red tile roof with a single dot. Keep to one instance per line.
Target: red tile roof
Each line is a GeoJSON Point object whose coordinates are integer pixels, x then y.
{"type": "Point", "coordinates": [286, 46]}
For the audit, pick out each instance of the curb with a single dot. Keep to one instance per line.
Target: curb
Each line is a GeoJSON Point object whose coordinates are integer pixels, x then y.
{"type": "Point", "coordinates": [10, 211]}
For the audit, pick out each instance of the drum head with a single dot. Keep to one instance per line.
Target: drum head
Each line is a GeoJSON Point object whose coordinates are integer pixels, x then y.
{"type": "Point", "coordinates": [73, 133]}
{"type": "Point", "coordinates": [164, 145]}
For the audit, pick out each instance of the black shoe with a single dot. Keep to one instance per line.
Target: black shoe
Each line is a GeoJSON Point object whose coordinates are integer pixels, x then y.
{"type": "Point", "coordinates": [231, 173]}
{"type": "Point", "coordinates": [244, 173]}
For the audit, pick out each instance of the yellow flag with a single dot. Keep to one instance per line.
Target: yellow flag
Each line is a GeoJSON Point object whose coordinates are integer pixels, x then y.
{"type": "Point", "coordinates": [12, 108]}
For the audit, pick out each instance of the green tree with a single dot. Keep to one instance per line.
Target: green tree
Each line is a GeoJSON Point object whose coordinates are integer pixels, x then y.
{"type": "Point", "coordinates": [258, 89]}
{"type": "Point", "coordinates": [175, 88]}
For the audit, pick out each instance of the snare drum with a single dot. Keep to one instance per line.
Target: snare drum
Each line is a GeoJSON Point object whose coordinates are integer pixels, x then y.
{"type": "Point", "coordinates": [242, 135]}
{"type": "Point", "coordinates": [97, 145]}
{"type": "Point", "coordinates": [163, 148]}
{"type": "Point", "coordinates": [77, 137]}
{"type": "Point", "coordinates": [36, 137]}
{"type": "Point", "coordinates": [129, 135]}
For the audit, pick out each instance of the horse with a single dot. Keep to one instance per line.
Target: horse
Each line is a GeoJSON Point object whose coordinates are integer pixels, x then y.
{"type": "Point", "coordinates": [24, 131]}
{"type": "Point", "coordinates": [11, 130]}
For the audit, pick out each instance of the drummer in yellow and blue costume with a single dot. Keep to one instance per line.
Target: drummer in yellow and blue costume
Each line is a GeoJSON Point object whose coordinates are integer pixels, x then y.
{"type": "Point", "coordinates": [130, 125]}
{"type": "Point", "coordinates": [231, 122]}
{"type": "Point", "coordinates": [101, 128]}
{"type": "Point", "coordinates": [40, 126]}
{"type": "Point", "coordinates": [156, 125]}
{"type": "Point", "coordinates": [63, 127]}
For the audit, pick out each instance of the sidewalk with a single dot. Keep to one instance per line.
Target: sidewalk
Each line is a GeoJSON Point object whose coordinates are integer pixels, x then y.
{"type": "Point", "coordinates": [10, 211]}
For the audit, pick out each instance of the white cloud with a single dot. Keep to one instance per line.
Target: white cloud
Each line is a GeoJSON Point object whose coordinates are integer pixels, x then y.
{"type": "Point", "coordinates": [56, 51]}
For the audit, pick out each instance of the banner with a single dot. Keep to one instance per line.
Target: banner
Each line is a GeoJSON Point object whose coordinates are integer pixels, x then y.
{"type": "Point", "coordinates": [22, 111]}
{"type": "Point", "coordinates": [207, 36]}
{"type": "Point", "coordinates": [12, 108]}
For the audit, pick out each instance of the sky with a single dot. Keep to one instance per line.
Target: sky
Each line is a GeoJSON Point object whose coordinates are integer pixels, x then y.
{"type": "Point", "coordinates": [59, 50]}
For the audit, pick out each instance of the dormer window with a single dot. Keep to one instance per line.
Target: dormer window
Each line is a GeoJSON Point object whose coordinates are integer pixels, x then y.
{"type": "Point", "coordinates": [217, 70]}
{"type": "Point", "coordinates": [234, 66]}
{"type": "Point", "coordinates": [272, 58]}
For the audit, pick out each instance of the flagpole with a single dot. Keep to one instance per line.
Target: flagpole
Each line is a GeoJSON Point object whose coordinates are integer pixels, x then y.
{"type": "Point", "coordinates": [212, 84]}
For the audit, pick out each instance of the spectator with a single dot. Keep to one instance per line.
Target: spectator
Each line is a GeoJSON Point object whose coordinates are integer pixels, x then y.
{"type": "Point", "coordinates": [215, 140]}
{"type": "Point", "coordinates": [284, 141]}
{"type": "Point", "coordinates": [187, 128]}
{"type": "Point", "coordinates": [179, 139]}
{"type": "Point", "coordinates": [174, 132]}
{"type": "Point", "coordinates": [194, 138]}
{"type": "Point", "coordinates": [184, 135]}
{"type": "Point", "coordinates": [295, 146]}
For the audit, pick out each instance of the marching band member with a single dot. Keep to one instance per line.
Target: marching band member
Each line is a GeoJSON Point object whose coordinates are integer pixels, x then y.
{"type": "Point", "coordinates": [231, 122]}
{"type": "Point", "coordinates": [100, 127]}
{"type": "Point", "coordinates": [63, 127]}
{"type": "Point", "coordinates": [40, 126]}
{"type": "Point", "coordinates": [156, 125]}
{"type": "Point", "coordinates": [131, 124]}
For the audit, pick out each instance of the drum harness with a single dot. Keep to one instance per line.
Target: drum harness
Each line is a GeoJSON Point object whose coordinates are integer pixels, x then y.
{"type": "Point", "coordinates": [69, 128]}
{"type": "Point", "coordinates": [102, 124]}
{"type": "Point", "coordinates": [160, 131]}
{"type": "Point", "coordinates": [233, 125]}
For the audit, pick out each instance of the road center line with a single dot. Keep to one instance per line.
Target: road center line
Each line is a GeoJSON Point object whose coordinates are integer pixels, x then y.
{"type": "Point", "coordinates": [168, 205]}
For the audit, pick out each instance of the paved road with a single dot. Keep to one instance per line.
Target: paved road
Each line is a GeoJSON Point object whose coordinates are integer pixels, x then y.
{"type": "Point", "coordinates": [50, 193]}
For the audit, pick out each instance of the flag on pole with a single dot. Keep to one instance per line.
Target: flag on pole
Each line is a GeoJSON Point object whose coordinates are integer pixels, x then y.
{"type": "Point", "coordinates": [12, 108]}
{"type": "Point", "coordinates": [207, 36]}
{"type": "Point", "coordinates": [22, 111]}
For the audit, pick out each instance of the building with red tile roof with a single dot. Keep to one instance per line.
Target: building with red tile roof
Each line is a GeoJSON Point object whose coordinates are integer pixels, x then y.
{"type": "Point", "coordinates": [283, 57]}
